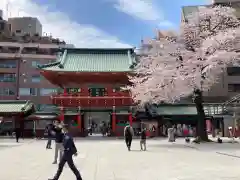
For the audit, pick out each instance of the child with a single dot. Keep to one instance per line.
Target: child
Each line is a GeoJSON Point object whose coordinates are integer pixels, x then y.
{"type": "Point", "coordinates": [143, 138]}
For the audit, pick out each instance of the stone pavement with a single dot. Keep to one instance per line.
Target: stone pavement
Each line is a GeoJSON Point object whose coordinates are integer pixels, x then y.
{"type": "Point", "coordinates": [110, 160]}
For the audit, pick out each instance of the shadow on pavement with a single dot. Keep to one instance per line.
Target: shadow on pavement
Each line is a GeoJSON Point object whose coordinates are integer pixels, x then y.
{"type": "Point", "coordinates": [135, 150]}
{"type": "Point", "coordinates": [100, 138]}
{"type": "Point", "coordinates": [172, 146]}
{"type": "Point", "coordinates": [8, 146]}
{"type": "Point", "coordinates": [214, 147]}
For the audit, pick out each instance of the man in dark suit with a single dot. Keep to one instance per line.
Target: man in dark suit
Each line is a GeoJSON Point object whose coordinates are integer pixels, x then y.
{"type": "Point", "coordinates": [49, 129]}
{"type": "Point", "coordinates": [69, 150]}
{"type": "Point", "coordinates": [17, 134]}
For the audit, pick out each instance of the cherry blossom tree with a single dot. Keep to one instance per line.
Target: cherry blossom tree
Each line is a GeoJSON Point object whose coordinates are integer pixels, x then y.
{"type": "Point", "coordinates": [189, 63]}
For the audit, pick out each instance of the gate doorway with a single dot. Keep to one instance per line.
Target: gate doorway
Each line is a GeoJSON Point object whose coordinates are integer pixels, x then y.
{"type": "Point", "coordinates": [99, 121]}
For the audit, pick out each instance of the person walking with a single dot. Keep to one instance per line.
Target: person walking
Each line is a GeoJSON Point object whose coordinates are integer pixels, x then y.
{"type": "Point", "coordinates": [17, 134]}
{"type": "Point", "coordinates": [171, 134]}
{"type": "Point", "coordinates": [57, 129]}
{"type": "Point", "coordinates": [128, 134]}
{"type": "Point", "coordinates": [49, 130]}
{"type": "Point", "coordinates": [68, 151]}
{"type": "Point", "coordinates": [143, 137]}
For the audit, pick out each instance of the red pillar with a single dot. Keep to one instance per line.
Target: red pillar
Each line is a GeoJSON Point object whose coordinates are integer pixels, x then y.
{"type": "Point", "coordinates": [114, 122]}
{"type": "Point", "coordinates": [64, 91]}
{"type": "Point", "coordinates": [61, 116]}
{"type": "Point", "coordinates": [79, 121]}
{"type": "Point", "coordinates": [130, 118]}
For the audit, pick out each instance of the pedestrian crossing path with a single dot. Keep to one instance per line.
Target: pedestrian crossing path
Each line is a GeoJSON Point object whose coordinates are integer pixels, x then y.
{"type": "Point", "coordinates": [110, 160]}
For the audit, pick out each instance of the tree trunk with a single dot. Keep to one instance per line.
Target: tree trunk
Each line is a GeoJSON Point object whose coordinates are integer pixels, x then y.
{"type": "Point", "coordinates": [201, 124]}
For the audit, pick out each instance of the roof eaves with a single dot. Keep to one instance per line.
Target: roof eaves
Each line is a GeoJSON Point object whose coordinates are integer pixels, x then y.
{"type": "Point", "coordinates": [43, 66]}
{"type": "Point", "coordinates": [132, 59]}
{"type": "Point", "coordinates": [63, 59]}
{"type": "Point", "coordinates": [13, 101]}
{"type": "Point", "coordinates": [26, 106]}
{"type": "Point", "coordinates": [92, 49]}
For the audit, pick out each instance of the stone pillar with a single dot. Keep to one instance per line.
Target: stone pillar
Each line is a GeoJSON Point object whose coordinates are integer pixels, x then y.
{"type": "Point", "coordinates": [114, 120]}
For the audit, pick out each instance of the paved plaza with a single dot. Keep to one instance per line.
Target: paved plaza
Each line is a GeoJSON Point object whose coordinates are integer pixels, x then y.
{"type": "Point", "coordinates": [110, 160]}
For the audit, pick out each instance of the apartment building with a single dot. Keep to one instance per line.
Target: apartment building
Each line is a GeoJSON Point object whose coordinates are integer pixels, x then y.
{"type": "Point", "coordinates": [25, 25]}
{"type": "Point", "coordinates": [19, 56]}
{"type": "Point", "coordinates": [224, 1]}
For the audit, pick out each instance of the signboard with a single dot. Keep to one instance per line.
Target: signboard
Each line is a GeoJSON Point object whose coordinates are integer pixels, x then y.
{"type": "Point", "coordinates": [73, 90]}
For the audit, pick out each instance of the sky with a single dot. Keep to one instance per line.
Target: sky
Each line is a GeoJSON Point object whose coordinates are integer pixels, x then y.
{"type": "Point", "coordinates": [101, 23]}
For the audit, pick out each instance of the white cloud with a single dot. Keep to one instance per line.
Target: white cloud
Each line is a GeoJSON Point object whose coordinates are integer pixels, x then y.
{"type": "Point", "coordinates": [60, 25]}
{"type": "Point", "coordinates": [143, 10]}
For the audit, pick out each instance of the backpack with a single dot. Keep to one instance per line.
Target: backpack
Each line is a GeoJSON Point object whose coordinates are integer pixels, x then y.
{"type": "Point", "coordinates": [128, 132]}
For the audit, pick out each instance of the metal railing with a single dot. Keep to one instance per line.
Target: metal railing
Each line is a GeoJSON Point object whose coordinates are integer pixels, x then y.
{"type": "Point", "coordinates": [84, 99]}
{"type": "Point", "coordinates": [230, 101]}
{"type": "Point", "coordinates": [93, 101]}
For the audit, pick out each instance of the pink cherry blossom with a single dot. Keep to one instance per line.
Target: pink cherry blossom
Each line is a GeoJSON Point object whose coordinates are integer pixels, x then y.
{"type": "Point", "coordinates": [194, 59]}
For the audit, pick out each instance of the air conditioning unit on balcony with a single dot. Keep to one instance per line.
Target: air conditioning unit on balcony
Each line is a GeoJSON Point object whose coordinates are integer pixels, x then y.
{"type": "Point", "coordinates": [23, 60]}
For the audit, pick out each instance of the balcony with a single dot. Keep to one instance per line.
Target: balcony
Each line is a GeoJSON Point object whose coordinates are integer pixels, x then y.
{"type": "Point", "coordinates": [38, 53]}
{"type": "Point", "coordinates": [8, 70]}
{"type": "Point", "coordinates": [38, 56]}
{"type": "Point", "coordinates": [83, 100]}
{"type": "Point", "coordinates": [13, 39]}
{"type": "Point", "coordinates": [9, 55]}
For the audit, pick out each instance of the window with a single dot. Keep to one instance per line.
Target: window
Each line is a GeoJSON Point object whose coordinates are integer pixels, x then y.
{"type": "Point", "coordinates": [97, 92]}
{"type": "Point", "coordinates": [18, 31]}
{"type": "Point", "coordinates": [7, 77]}
{"type": "Point", "coordinates": [47, 91]}
{"type": "Point", "coordinates": [27, 91]}
{"type": "Point", "coordinates": [8, 64]}
{"type": "Point", "coordinates": [233, 71]}
{"type": "Point", "coordinates": [35, 63]}
{"type": "Point", "coordinates": [233, 87]}
{"type": "Point", "coordinates": [24, 91]}
{"type": "Point", "coordinates": [7, 92]}
{"type": "Point", "coordinates": [36, 78]}
{"type": "Point", "coordinates": [33, 91]}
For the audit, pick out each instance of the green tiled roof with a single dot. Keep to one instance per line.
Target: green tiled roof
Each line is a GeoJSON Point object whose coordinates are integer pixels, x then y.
{"type": "Point", "coordinates": [43, 115]}
{"type": "Point", "coordinates": [176, 110]}
{"type": "Point", "coordinates": [93, 60]}
{"type": "Point", "coordinates": [187, 109]}
{"type": "Point", "coordinates": [15, 106]}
